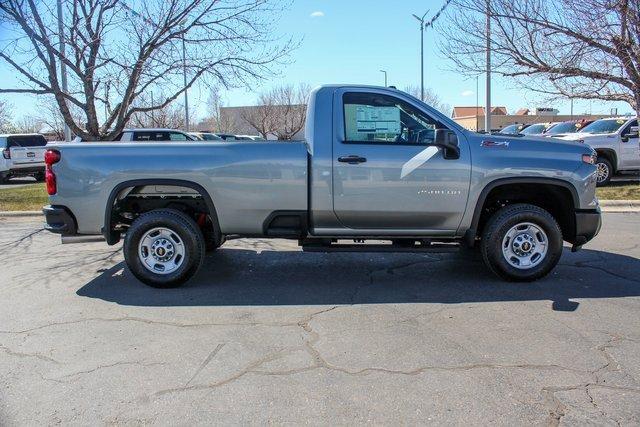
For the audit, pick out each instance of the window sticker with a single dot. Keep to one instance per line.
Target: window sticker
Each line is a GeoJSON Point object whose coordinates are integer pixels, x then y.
{"type": "Point", "coordinates": [370, 120]}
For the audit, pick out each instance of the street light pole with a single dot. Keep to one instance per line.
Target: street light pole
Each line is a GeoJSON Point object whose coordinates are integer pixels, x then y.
{"type": "Point", "coordinates": [477, 99]}
{"type": "Point", "coordinates": [184, 75]}
{"type": "Point", "coordinates": [63, 67]}
{"type": "Point", "coordinates": [385, 77]}
{"type": "Point", "coordinates": [421, 20]}
{"type": "Point", "coordinates": [487, 113]}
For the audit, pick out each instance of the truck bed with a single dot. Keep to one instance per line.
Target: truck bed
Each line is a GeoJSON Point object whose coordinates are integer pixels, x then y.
{"type": "Point", "coordinates": [247, 180]}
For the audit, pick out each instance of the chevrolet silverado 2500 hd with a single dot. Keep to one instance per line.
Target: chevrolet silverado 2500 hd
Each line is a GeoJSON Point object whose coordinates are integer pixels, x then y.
{"type": "Point", "coordinates": [377, 165]}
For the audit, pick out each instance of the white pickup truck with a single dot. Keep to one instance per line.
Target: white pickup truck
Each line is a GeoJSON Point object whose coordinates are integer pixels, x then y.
{"type": "Point", "coordinates": [616, 143]}
{"type": "Point", "coordinates": [22, 155]}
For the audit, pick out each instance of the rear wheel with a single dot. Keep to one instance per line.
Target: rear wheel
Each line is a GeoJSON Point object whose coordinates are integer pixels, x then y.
{"type": "Point", "coordinates": [4, 177]}
{"type": "Point", "coordinates": [604, 171]}
{"type": "Point", "coordinates": [521, 243]}
{"type": "Point", "coordinates": [164, 248]}
{"type": "Point", "coordinates": [39, 176]}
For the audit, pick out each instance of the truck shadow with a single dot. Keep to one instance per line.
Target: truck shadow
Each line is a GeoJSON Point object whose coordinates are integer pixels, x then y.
{"type": "Point", "coordinates": [239, 277]}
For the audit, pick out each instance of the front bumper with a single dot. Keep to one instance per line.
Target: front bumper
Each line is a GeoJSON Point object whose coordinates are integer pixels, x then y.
{"type": "Point", "coordinates": [59, 220]}
{"type": "Point", "coordinates": [588, 223]}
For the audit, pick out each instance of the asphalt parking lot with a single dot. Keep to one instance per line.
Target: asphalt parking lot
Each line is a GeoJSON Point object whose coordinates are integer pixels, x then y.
{"type": "Point", "coordinates": [266, 334]}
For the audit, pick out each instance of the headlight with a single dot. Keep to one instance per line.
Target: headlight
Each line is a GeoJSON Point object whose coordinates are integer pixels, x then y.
{"type": "Point", "coordinates": [589, 158]}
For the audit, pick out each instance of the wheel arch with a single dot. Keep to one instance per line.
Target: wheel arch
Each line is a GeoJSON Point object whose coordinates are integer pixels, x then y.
{"type": "Point", "coordinates": [112, 237]}
{"type": "Point", "coordinates": [511, 183]}
{"type": "Point", "coordinates": [609, 154]}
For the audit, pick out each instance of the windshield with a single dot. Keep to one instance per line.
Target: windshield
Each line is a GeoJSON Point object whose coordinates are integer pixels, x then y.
{"type": "Point", "coordinates": [210, 137]}
{"type": "Point", "coordinates": [604, 126]}
{"type": "Point", "coordinates": [566, 127]}
{"type": "Point", "coordinates": [512, 129]}
{"type": "Point", "coordinates": [534, 129]}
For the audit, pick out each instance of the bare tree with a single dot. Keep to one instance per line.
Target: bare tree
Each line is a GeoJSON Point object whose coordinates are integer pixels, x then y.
{"type": "Point", "coordinates": [262, 117]}
{"type": "Point", "coordinates": [170, 116]}
{"type": "Point", "coordinates": [586, 49]}
{"type": "Point", "coordinates": [47, 117]}
{"type": "Point", "coordinates": [430, 98]}
{"type": "Point", "coordinates": [291, 109]}
{"type": "Point", "coordinates": [5, 118]}
{"type": "Point", "coordinates": [281, 111]}
{"type": "Point", "coordinates": [217, 121]}
{"type": "Point", "coordinates": [115, 54]}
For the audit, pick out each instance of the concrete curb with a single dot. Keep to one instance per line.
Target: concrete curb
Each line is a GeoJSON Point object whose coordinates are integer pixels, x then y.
{"type": "Point", "coordinates": [619, 206]}
{"type": "Point", "coordinates": [9, 214]}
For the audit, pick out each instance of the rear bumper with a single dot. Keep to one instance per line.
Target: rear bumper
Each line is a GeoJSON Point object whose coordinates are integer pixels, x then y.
{"type": "Point", "coordinates": [26, 169]}
{"type": "Point", "coordinates": [588, 223]}
{"type": "Point", "coordinates": [59, 220]}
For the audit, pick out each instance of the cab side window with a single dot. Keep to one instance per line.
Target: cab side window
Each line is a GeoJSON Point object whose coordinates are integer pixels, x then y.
{"type": "Point", "coordinates": [376, 118]}
{"type": "Point", "coordinates": [628, 132]}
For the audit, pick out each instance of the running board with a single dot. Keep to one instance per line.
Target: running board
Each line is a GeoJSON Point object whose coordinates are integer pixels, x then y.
{"type": "Point", "coordinates": [82, 239]}
{"type": "Point", "coordinates": [433, 248]}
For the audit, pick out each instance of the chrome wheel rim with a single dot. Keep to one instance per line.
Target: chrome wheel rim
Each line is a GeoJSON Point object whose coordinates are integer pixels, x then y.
{"type": "Point", "coordinates": [161, 250]}
{"type": "Point", "coordinates": [602, 172]}
{"type": "Point", "coordinates": [525, 246]}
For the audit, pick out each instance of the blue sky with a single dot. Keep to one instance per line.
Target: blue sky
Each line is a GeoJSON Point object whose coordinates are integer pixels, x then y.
{"type": "Point", "coordinates": [349, 41]}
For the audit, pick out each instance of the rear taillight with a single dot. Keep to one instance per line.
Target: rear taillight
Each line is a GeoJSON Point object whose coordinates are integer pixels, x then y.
{"type": "Point", "coordinates": [51, 157]}
{"type": "Point", "coordinates": [6, 153]}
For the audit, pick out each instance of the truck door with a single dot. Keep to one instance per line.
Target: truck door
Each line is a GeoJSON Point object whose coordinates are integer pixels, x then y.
{"type": "Point", "coordinates": [630, 146]}
{"type": "Point", "coordinates": [387, 172]}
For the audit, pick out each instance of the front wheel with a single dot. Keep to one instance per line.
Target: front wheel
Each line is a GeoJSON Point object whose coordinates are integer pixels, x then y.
{"type": "Point", "coordinates": [604, 171]}
{"type": "Point", "coordinates": [164, 248]}
{"type": "Point", "coordinates": [521, 243]}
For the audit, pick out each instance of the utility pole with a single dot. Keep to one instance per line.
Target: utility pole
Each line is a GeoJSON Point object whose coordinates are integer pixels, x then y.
{"type": "Point", "coordinates": [385, 77]}
{"type": "Point", "coordinates": [63, 67]}
{"type": "Point", "coordinates": [477, 99]}
{"type": "Point", "coordinates": [421, 20]}
{"type": "Point", "coordinates": [487, 113]}
{"type": "Point", "coordinates": [184, 75]}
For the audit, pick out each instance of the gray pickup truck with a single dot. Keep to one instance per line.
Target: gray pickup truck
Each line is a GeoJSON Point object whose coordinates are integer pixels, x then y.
{"type": "Point", "coordinates": [378, 171]}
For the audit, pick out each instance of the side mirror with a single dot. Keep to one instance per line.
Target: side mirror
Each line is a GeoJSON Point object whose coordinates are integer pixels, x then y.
{"type": "Point", "coordinates": [448, 141]}
{"type": "Point", "coordinates": [633, 132]}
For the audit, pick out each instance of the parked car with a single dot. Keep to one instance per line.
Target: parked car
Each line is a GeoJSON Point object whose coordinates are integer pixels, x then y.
{"type": "Point", "coordinates": [227, 136]}
{"type": "Point", "coordinates": [22, 155]}
{"type": "Point", "coordinates": [154, 134]}
{"type": "Point", "coordinates": [536, 129]}
{"type": "Point", "coordinates": [249, 138]}
{"type": "Point", "coordinates": [206, 136]}
{"type": "Point", "coordinates": [561, 129]}
{"type": "Point", "coordinates": [514, 129]}
{"type": "Point", "coordinates": [616, 142]}
{"type": "Point", "coordinates": [377, 165]}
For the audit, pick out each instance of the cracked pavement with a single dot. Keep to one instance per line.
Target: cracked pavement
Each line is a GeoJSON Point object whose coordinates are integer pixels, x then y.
{"type": "Point", "coordinates": [266, 334]}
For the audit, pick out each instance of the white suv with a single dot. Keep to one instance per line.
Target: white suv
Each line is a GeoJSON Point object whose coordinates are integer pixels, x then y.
{"type": "Point", "coordinates": [616, 142]}
{"type": "Point", "coordinates": [22, 155]}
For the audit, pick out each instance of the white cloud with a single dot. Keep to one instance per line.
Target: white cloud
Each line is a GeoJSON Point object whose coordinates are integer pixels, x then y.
{"type": "Point", "coordinates": [467, 93]}
{"type": "Point", "coordinates": [317, 14]}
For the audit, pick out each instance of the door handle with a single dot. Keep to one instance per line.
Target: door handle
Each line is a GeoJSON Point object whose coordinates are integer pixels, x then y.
{"type": "Point", "coordinates": [352, 160]}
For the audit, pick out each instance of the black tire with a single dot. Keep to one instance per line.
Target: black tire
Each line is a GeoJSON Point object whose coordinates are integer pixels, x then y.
{"type": "Point", "coordinates": [187, 231]}
{"type": "Point", "coordinates": [497, 228]}
{"type": "Point", "coordinates": [39, 176]}
{"type": "Point", "coordinates": [4, 178]}
{"type": "Point", "coordinates": [605, 171]}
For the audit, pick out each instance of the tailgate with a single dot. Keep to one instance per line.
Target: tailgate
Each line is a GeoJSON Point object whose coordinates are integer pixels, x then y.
{"type": "Point", "coordinates": [25, 149]}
